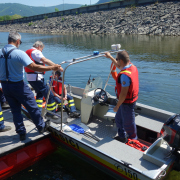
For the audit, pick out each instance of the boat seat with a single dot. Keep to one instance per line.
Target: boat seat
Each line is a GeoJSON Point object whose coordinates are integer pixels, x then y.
{"type": "Point", "coordinates": [110, 115]}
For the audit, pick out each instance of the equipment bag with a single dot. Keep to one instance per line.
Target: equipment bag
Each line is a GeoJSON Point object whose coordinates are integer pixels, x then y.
{"type": "Point", "coordinates": [137, 145]}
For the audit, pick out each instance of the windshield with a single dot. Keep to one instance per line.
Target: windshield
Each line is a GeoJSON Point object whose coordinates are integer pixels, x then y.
{"type": "Point", "coordinates": [92, 85]}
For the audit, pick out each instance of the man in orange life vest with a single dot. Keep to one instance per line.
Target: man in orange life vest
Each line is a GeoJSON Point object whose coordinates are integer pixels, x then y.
{"type": "Point", "coordinates": [36, 79]}
{"type": "Point", "coordinates": [127, 88]}
{"type": "Point", "coordinates": [57, 91]}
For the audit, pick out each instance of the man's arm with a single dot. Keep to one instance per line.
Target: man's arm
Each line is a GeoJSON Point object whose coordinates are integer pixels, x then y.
{"type": "Point", "coordinates": [108, 55]}
{"type": "Point", "coordinates": [40, 68]}
{"type": "Point", "coordinates": [55, 94]}
{"type": "Point", "coordinates": [49, 63]}
{"type": "Point", "coordinates": [122, 97]}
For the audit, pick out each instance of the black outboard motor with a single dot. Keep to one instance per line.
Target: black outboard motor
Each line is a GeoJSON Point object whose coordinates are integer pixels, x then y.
{"type": "Point", "coordinates": [171, 131]}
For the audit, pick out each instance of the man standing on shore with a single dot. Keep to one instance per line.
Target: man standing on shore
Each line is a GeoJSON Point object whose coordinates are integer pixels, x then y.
{"type": "Point", "coordinates": [16, 91]}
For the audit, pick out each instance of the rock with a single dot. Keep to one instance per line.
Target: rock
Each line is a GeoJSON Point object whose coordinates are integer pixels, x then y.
{"type": "Point", "coordinates": [159, 19]}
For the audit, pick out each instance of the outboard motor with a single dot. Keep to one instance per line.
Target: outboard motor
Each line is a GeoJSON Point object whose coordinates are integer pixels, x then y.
{"type": "Point", "coordinates": [171, 131]}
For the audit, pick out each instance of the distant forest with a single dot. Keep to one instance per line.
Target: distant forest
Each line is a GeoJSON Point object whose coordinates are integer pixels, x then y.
{"type": "Point", "coordinates": [9, 11]}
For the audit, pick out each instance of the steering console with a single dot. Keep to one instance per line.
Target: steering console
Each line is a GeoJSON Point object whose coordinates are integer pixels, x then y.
{"type": "Point", "coordinates": [100, 95]}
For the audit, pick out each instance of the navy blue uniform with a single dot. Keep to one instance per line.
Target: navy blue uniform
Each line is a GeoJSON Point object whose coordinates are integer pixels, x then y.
{"type": "Point", "coordinates": [16, 91]}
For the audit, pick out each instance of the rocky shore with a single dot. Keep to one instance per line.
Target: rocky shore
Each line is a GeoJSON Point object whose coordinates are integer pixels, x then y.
{"type": "Point", "coordinates": [152, 19]}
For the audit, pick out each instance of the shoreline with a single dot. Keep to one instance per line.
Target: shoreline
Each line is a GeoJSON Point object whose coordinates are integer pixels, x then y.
{"type": "Point", "coordinates": [161, 19]}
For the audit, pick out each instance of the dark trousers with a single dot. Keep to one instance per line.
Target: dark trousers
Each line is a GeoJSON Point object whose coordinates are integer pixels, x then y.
{"type": "Point", "coordinates": [42, 90]}
{"type": "Point", "coordinates": [125, 121]}
{"type": "Point", "coordinates": [17, 94]}
{"type": "Point", "coordinates": [2, 97]}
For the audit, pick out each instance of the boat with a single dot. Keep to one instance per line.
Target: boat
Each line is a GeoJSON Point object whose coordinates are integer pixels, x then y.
{"type": "Point", "coordinates": [91, 136]}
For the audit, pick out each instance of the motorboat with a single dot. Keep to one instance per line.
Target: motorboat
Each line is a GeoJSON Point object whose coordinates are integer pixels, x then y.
{"type": "Point", "coordinates": [91, 136]}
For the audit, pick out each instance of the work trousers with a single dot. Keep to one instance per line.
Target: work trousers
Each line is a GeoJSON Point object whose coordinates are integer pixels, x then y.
{"type": "Point", "coordinates": [1, 119]}
{"type": "Point", "coordinates": [18, 94]}
{"type": "Point", "coordinates": [70, 102]}
{"type": "Point", "coordinates": [2, 97]}
{"type": "Point", "coordinates": [42, 90]}
{"type": "Point", "coordinates": [125, 121]}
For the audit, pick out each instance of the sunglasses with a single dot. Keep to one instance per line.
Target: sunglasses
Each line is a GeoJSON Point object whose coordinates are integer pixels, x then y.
{"type": "Point", "coordinates": [117, 59]}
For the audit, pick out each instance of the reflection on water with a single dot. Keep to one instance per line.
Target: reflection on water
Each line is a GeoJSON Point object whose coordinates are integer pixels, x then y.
{"type": "Point", "coordinates": [156, 57]}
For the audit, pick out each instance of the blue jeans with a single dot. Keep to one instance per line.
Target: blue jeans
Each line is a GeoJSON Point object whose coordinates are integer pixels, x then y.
{"type": "Point", "coordinates": [42, 90]}
{"type": "Point", "coordinates": [125, 121]}
{"type": "Point", "coordinates": [70, 102]}
{"type": "Point", "coordinates": [17, 94]}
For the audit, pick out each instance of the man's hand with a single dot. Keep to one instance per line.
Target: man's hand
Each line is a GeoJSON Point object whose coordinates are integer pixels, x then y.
{"type": "Point", "coordinates": [61, 69]}
{"type": "Point", "coordinates": [108, 55]}
{"type": "Point", "coordinates": [56, 67]}
{"type": "Point", "coordinates": [115, 108]}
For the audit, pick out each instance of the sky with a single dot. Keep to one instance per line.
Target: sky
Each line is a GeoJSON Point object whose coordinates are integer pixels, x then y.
{"type": "Point", "coordinates": [49, 3]}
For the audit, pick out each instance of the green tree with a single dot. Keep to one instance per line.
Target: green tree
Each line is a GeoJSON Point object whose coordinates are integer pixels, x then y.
{"type": "Point", "coordinates": [56, 9]}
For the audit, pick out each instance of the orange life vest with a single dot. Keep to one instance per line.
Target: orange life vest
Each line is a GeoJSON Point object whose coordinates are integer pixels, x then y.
{"type": "Point", "coordinates": [29, 71]}
{"type": "Point", "coordinates": [57, 86]}
{"type": "Point", "coordinates": [133, 91]}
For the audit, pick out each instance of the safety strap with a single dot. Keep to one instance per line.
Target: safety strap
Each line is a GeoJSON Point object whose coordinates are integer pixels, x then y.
{"type": "Point", "coordinates": [6, 58]}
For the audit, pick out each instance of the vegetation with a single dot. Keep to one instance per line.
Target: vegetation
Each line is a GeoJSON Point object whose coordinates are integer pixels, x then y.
{"type": "Point", "coordinates": [7, 17]}
{"type": "Point", "coordinates": [31, 23]}
{"type": "Point", "coordinates": [84, 5]}
{"type": "Point", "coordinates": [45, 17]}
{"type": "Point", "coordinates": [56, 9]}
{"type": "Point", "coordinates": [24, 10]}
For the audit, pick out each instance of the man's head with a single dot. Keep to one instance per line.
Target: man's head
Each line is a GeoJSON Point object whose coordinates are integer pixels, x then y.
{"type": "Point", "coordinates": [38, 45]}
{"type": "Point", "coordinates": [58, 74]}
{"type": "Point", "coordinates": [14, 38]}
{"type": "Point", "coordinates": [124, 56]}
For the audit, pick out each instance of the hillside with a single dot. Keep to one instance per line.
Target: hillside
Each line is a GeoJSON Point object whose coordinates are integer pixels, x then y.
{"type": "Point", "coordinates": [24, 10]}
{"type": "Point", "coordinates": [103, 1]}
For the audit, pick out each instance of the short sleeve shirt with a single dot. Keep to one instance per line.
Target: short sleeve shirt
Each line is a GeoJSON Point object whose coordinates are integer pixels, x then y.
{"type": "Point", "coordinates": [125, 80]}
{"type": "Point", "coordinates": [15, 62]}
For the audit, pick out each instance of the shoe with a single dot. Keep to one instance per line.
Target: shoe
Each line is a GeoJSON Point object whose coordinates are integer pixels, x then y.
{"type": "Point", "coordinates": [52, 116]}
{"type": "Point", "coordinates": [45, 128]}
{"type": "Point", "coordinates": [5, 105]}
{"type": "Point", "coordinates": [123, 140]}
{"type": "Point", "coordinates": [22, 137]}
{"type": "Point", "coordinates": [74, 114]}
{"type": "Point", "coordinates": [6, 128]}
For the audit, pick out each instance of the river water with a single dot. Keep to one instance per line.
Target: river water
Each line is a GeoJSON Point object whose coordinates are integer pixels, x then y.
{"type": "Point", "coordinates": [156, 57]}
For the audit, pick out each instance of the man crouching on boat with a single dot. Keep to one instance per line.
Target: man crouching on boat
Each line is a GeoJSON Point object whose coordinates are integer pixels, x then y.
{"type": "Point", "coordinates": [16, 91]}
{"type": "Point", "coordinates": [57, 91]}
{"type": "Point", "coordinates": [127, 89]}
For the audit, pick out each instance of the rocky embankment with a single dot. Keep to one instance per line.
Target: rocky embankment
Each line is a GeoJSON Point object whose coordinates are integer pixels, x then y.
{"type": "Point", "coordinates": [154, 19]}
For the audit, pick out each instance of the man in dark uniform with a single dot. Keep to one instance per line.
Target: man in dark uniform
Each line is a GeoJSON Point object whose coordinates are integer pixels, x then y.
{"type": "Point", "coordinates": [127, 89]}
{"type": "Point", "coordinates": [16, 91]}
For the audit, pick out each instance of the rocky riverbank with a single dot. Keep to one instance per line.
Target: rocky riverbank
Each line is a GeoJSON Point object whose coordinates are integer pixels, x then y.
{"type": "Point", "coordinates": [153, 19]}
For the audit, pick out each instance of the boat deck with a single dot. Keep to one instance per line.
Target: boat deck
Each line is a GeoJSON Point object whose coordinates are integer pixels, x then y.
{"type": "Point", "coordinates": [9, 140]}
{"type": "Point", "coordinates": [103, 132]}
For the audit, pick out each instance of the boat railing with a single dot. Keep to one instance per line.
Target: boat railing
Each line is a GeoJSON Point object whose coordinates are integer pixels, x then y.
{"type": "Point", "coordinates": [95, 55]}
